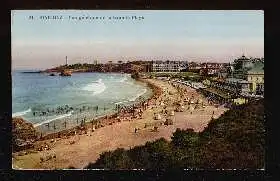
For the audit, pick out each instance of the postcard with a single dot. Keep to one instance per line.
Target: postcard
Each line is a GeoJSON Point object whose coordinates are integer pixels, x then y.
{"type": "Point", "coordinates": [135, 89]}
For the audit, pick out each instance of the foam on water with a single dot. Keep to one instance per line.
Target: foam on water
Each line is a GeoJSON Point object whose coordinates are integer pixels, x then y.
{"type": "Point", "coordinates": [121, 102]}
{"type": "Point", "coordinates": [96, 87]}
{"type": "Point", "coordinates": [21, 113]}
{"type": "Point", "coordinates": [138, 95]}
{"type": "Point", "coordinates": [81, 90]}
{"type": "Point", "coordinates": [50, 120]}
{"type": "Point", "coordinates": [123, 80]}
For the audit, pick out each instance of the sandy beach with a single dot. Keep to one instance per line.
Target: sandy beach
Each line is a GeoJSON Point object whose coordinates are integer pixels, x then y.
{"type": "Point", "coordinates": [81, 149]}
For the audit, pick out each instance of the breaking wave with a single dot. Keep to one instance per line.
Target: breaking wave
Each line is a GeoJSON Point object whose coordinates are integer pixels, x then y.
{"type": "Point", "coordinates": [96, 87]}
{"type": "Point", "coordinates": [123, 80]}
{"type": "Point", "coordinates": [50, 120]}
{"type": "Point", "coordinates": [21, 113]}
{"type": "Point", "coordinates": [121, 102]}
{"type": "Point", "coordinates": [138, 95]}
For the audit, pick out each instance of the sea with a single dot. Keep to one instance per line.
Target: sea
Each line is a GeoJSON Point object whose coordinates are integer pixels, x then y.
{"type": "Point", "coordinates": [54, 103]}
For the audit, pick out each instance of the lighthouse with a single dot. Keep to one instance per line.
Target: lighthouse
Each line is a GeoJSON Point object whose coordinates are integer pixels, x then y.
{"type": "Point", "coordinates": [65, 72]}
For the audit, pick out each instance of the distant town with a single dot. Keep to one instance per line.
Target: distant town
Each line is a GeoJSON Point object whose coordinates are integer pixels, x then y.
{"type": "Point", "coordinates": [244, 77]}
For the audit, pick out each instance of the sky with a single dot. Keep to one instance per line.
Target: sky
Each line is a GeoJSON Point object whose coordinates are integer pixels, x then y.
{"type": "Point", "coordinates": [213, 36]}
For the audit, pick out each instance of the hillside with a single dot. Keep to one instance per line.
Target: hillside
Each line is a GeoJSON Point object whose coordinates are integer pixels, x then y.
{"type": "Point", "coordinates": [235, 140]}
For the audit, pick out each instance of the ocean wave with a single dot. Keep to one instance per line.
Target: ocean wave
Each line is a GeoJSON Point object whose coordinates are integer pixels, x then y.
{"type": "Point", "coordinates": [121, 102]}
{"type": "Point", "coordinates": [96, 87]}
{"type": "Point", "coordinates": [50, 120]}
{"type": "Point", "coordinates": [21, 113]}
{"type": "Point", "coordinates": [123, 80]}
{"type": "Point", "coordinates": [138, 95]}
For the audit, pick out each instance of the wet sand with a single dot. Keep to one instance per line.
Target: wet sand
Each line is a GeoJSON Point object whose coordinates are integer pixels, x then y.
{"type": "Point", "coordinates": [87, 147]}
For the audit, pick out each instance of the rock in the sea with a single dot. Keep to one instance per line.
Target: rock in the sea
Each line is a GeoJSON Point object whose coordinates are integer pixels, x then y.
{"type": "Point", "coordinates": [65, 73]}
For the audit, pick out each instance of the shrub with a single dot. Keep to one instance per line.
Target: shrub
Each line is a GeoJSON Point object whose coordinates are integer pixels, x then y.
{"type": "Point", "coordinates": [184, 138]}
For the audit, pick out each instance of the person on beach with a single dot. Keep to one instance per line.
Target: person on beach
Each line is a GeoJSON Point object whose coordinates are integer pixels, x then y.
{"type": "Point", "coordinates": [65, 124]}
{"type": "Point", "coordinates": [136, 129]}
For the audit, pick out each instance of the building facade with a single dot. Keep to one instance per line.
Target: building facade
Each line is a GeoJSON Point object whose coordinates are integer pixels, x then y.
{"type": "Point", "coordinates": [169, 66]}
{"type": "Point", "coordinates": [248, 75]}
{"type": "Point", "coordinates": [255, 78]}
{"type": "Point", "coordinates": [245, 78]}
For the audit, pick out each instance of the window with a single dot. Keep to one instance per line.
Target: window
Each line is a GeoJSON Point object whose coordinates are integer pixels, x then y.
{"type": "Point", "coordinates": [250, 86]}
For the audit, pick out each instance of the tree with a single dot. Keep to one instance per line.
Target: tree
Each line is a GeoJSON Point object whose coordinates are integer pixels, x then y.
{"type": "Point", "coordinates": [159, 154]}
{"type": "Point", "coordinates": [184, 138]}
{"type": "Point", "coordinates": [117, 159]}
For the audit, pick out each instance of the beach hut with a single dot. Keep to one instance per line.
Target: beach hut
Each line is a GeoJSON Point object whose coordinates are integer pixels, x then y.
{"type": "Point", "coordinates": [155, 128]}
{"type": "Point", "coordinates": [191, 108]}
{"type": "Point", "coordinates": [168, 121]}
{"type": "Point", "coordinates": [157, 117]}
{"type": "Point", "coordinates": [179, 109]}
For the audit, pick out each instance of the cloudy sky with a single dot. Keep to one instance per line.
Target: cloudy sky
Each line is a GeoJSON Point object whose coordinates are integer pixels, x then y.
{"type": "Point", "coordinates": [182, 35]}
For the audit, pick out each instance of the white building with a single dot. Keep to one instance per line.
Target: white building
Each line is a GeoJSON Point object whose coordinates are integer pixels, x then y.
{"type": "Point", "coordinates": [169, 66]}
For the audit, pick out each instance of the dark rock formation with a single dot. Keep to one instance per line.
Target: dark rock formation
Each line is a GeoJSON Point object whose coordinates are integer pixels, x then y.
{"type": "Point", "coordinates": [23, 134]}
{"type": "Point", "coordinates": [65, 73]}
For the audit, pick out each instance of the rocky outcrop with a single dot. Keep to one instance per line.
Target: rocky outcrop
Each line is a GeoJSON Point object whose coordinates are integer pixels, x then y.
{"type": "Point", "coordinates": [23, 134]}
{"type": "Point", "coordinates": [65, 73]}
